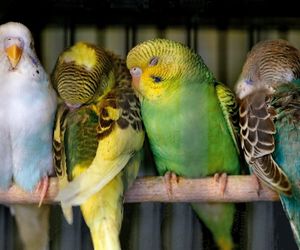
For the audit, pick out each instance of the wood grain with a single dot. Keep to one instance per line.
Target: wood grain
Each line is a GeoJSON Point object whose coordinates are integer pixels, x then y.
{"type": "Point", "coordinates": [239, 188]}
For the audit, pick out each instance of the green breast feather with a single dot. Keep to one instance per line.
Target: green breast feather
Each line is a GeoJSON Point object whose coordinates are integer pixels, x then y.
{"type": "Point", "coordinates": [192, 137]}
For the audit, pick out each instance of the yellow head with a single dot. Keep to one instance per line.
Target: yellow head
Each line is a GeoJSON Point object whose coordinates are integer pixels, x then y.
{"type": "Point", "coordinates": [82, 54]}
{"type": "Point", "coordinates": [82, 73]}
{"type": "Point", "coordinates": [161, 66]}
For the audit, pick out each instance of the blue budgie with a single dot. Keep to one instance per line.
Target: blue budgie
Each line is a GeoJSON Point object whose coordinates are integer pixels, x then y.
{"type": "Point", "coordinates": [28, 105]}
{"type": "Point", "coordinates": [269, 91]}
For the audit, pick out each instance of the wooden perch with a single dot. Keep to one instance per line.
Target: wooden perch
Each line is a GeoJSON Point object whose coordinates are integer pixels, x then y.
{"type": "Point", "coordinates": [154, 189]}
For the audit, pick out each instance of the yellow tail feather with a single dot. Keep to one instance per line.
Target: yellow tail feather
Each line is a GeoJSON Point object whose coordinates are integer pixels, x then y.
{"type": "Point", "coordinates": [103, 215]}
{"type": "Point", "coordinates": [92, 180]}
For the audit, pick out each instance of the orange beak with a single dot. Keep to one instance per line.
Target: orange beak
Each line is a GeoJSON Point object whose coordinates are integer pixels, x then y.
{"type": "Point", "coordinates": [14, 54]}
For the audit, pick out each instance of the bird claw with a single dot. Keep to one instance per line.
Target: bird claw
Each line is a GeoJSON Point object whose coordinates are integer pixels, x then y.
{"type": "Point", "coordinates": [221, 180]}
{"type": "Point", "coordinates": [170, 178]}
{"type": "Point", "coordinates": [257, 184]}
{"type": "Point", "coordinates": [42, 188]}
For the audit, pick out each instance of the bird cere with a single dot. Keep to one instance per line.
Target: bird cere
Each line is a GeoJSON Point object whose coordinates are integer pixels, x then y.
{"type": "Point", "coordinates": [85, 124]}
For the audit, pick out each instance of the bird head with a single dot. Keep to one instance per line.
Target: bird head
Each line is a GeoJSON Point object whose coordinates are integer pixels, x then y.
{"type": "Point", "coordinates": [15, 38]}
{"type": "Point", "coordinates": [160, 66]}
{"type": "Point", "coordinates": [268, 64]}
{"type": "Point", "coordinates": [82, 73]}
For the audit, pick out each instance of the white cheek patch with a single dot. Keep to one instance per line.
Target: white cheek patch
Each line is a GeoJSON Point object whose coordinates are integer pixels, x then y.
{"type": "Point", "coordinates": [243, 89]}
{"type": "Point", "coordinates": [288, 76]}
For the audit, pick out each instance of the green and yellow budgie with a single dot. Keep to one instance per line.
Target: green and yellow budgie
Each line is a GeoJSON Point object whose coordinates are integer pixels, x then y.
{"type": "Point", "coordinates": [98, 138]}
{"type": "Point", "coordinates": [189, 118]}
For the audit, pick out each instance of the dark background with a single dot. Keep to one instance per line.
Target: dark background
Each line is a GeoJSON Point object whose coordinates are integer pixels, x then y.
{"type": "Point", "coordinates": [259, 226]}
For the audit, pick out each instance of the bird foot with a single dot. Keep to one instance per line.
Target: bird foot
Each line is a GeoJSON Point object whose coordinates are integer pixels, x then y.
{"type": "Point", "coordinates": [257, 184]}
{"type": "Point", "coordinates": [42, 188]}
{"type": "Point", "coordinates": [221, 180]}
{"type": "Point", "coordinates": [170, 179]}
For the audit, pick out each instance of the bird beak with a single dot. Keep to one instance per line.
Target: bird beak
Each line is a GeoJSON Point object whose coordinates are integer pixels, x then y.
{"type": "Point", "coordinates": [136, 77]}
{"type": "Point", "coordinates": [135, 82]}
{"type": "Point", "coordinates": [14, 53]}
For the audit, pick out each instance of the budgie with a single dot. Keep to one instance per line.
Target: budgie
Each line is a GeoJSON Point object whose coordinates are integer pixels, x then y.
{"type": "Point", "coordinates": [269, 93]}
{"type": "Point", "coordinates": [28, 104]}
{"type": "Point", "coordinates": [98, 138]}
{"type": "Point", "coordinates": [190, 120]}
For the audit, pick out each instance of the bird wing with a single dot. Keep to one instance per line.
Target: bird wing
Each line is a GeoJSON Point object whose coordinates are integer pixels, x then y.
{"type": "Point", "coordinates": [257, 140]}
{"type": "Point", "coordinates": [59, 157]}
{"type": "Point", "coordinates": [229, 108]}
{"type": "Point", "coordinates": [119, 134]}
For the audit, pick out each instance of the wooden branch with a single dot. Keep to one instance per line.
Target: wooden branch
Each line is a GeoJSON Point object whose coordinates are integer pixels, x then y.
{"type": "Point", "coordinates": [238, 189]}
{"type": "Point", "coordinates": [154, 189]}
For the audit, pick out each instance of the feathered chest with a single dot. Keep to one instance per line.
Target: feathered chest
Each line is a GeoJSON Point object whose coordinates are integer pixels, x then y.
{"type": "Point", "coordinates": [183, 122]}
{"type": "Point", "coordinates": [286, 105]}
{"type": "Point", "coordinates": [25, 101]}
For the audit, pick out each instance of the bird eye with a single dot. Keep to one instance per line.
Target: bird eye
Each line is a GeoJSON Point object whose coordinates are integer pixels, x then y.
{"type": "Point", "coordinates": [153, 61]}
{"type": "Point", "coordinates": [156, 79]}
{"type": "Point", "coordinates": [249, 81]}
{"type": "Point", "coordinates": [31, 45]}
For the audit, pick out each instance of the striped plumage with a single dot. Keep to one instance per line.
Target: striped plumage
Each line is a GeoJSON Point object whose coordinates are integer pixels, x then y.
{"type": "Point", "coordinates": [188, 118]}
{"type": "Point", "coordinates": [97, 144]}
{"type": "Point", "coordinates": [120, 97]}
{"type": "Point", "coordinates": [230, 110]}
{"type": "Point", "coordinates": [269, 94]}
{"type": "Point", "coordinates": [170, 70]}
{"type": "Point", "coordinates": [269, 64]}
{"type": "Point", "coordinates": [190, 62]}
{"type": "Point", "coordinates": [81, 80]}
{"type": "Point", "coordinates": [263, 60]}
{"type": "Point", "coordinates": [257, 140]}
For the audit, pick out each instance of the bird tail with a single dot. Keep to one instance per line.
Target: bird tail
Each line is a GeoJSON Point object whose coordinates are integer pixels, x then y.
{"type": "Point", "coordinates": [218, 218]}
{"type": "Point", "coordinates": [291, 208]}
{"type": "Point", "coordinates": [33, 225]}
{"type": "Point", "coordinates": [67, 212]}
{"type": "Point", "coordinates": [102, 213]}
{"type": "Point", "coordinates": [99, 173]}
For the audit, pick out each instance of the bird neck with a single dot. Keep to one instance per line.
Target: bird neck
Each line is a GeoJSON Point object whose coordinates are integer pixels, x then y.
{"type": "Point", "coordinates": [110, 82]}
